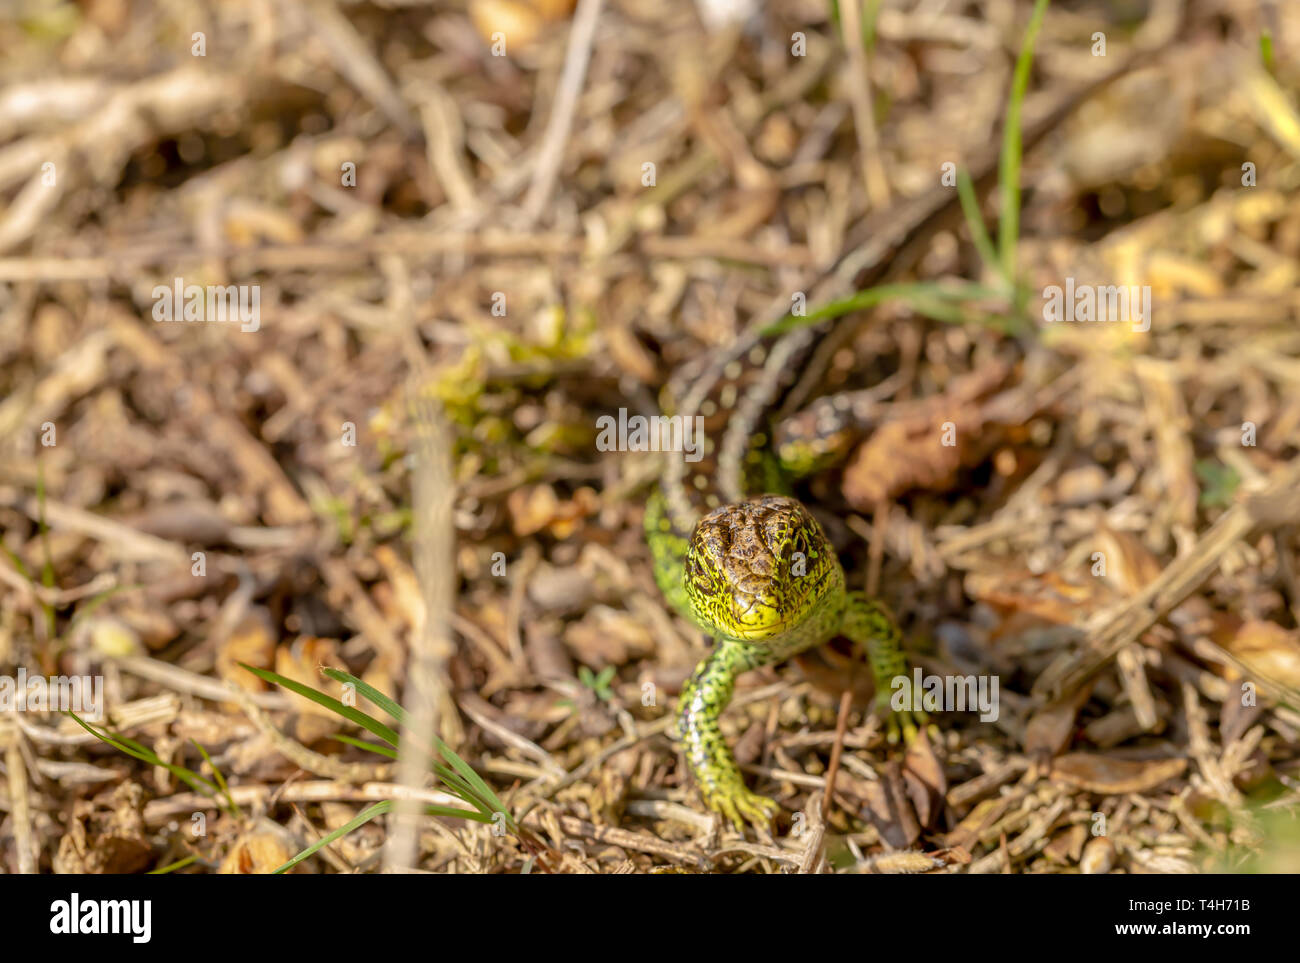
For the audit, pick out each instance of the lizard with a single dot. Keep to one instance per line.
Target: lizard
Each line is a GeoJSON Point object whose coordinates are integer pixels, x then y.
{"type": "Point", "coordinates": [734, 552]}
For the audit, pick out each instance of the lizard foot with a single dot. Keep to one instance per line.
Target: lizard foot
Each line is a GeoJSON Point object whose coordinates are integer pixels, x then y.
{"type": "Point", "coordinates": [739, 805]}
{"type": "Point", "coordinates": [902, 725]}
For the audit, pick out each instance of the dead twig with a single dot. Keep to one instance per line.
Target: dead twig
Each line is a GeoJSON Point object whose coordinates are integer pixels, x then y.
{"type": "Point", "coordinates": [1278, 503]}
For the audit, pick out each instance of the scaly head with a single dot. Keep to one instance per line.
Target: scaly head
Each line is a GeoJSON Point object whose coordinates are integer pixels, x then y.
{"type": "Point", "coordinates": [761, 571]}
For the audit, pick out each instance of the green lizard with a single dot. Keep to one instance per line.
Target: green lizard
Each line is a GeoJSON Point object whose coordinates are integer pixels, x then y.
{"type": "Point", "coordinates": [739, 557]}
{"type": "Point", "coordinates": [744, 561]}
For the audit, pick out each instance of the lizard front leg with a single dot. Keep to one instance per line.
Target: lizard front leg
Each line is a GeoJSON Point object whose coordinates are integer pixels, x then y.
{"type": "Point", "coordinates": [869, 624]}
{"type": "Point", "coordinates": [703, 699]}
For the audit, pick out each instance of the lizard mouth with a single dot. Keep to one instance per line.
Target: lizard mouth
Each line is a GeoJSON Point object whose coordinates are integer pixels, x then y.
{"type": "Point", "coordinates": [754, 619]}
{"type": "Point", "coordinates": [746, 633]}
{"type": "Point", "coordinates": [753, 633]}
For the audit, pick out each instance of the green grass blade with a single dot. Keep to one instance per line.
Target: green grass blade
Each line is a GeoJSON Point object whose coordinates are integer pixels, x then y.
{"type": "Point", "coordinates": [941, 311]}
{"type": "Point", "coordinates": [457, 786]}
{"type": "Point", "coordinates": [47, 570]}
{"type": "Point", "coordinates": [1012, 146]}
{"type": "Point", "coordinates": [95, 601]}
{"type": "Point", "coordinates": [46, 608]}
{"type": "Point", "coordinates": [467, 772]}
{"type": "Point", "coordinates": [460, 779]}
{"type": "Point", "coordinates": [870, 297]}
{"type": "Point", "coordinates": [387, 751]}
{"type": "Point", "coordinates": [143, 754]}
{"type": "Point", "coordinates": [361, 818]}
{"type": "Point", "coordinates": [369, 692]}
{"type": "Point", "coordinates": [16, 562]}
{"type": "Point", "coordinates": [975, 224]}
{"type": "Point", "coordinates": [470, 786]}
{"type": "Point", "coordinates": [171, 867]}
{"type": "Point", "coordinates": [221, 780]}
{"type": "Point", "coordinates": [870, 13]}
{"type": "Point", "coordinates": [452, 812]}
{"type": "Point", "coordinates": [329, 702]}
{"type": "Point", "coordinates": [138, 747]}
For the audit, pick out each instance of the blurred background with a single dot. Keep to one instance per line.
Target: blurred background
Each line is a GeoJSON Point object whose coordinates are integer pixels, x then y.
{"type": "Point", "coordinates": [472, 229]}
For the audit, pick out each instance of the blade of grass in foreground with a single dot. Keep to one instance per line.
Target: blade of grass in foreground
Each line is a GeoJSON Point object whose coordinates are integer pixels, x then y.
{"type": "Point", "coordinates": [47, 570]}
{"type": "Point", "coordinates": [144, 754]}
{"type": "Point", "coordinates": [360, 819]}
{"type": "Point", "coordinates": [1012, 145]}
{"type": "Point", "coordinates": [221, 780]}
{"type": "Point", "coordinates": [367, 691]}
{"type": "Point", "coordinates": [975, 224]}
{"type": "Point", "coordinates": [172, 867]}
{"type": "Point", "coordinates": [471, 779]}
{"type": "Point", "coordinates": [387, 752]}
{"type": "Point", "coordinates": [365, 721]}
{"type": "Point", "coordinates": [468, 785]}
{"type": "Point", "coordinates": [363, 817]}
{"type": "Point", "coordinates": [460, 779]}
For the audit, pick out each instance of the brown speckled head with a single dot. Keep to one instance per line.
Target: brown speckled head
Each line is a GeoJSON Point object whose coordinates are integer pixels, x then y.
{"type": "Point", "coordinates": [756, 569]}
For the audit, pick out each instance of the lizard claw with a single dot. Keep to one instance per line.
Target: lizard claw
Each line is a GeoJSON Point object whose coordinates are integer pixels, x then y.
{"type": "Point", "coordinates": [902, 725]}
{"type": "Point", "coordinates": [739, 806]}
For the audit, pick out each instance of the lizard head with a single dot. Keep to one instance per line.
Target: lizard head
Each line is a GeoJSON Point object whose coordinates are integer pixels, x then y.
{"type": "Point", "coordinates": [759, 568]}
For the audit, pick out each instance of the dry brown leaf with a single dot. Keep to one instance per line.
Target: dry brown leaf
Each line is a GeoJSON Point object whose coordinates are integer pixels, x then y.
{"type": "Point", "coordinates": [1112, 776]}
{"type": "Point", "coordinates": [547, 657]}
{"type": "Point", "coordinates": [908, 862]}
{"type": "Point", "coordinates": [406, 599]}
{"type": "Point", "coordinates": [607, 636]}
{"type": "Point", "coordinates": [629, 354]}
{"type": "Point", "coordinates": [520, 21]}
{"type": "Point", "coordinates": [924, 779]}
{"type": "Point", "coordinates": [1130, 566]}
{"type": "Point", "coordinates": [901, 455]}
{"type": "Point", "coordinates": [1048, 596]}
{"type": "Point", "coordinates": [110, 840]}
{"type": "Point", "coordinates": [531, 508]}
{"type": "Point", "coordinates": [831, 671]}
{"type": "Point", "coordinates": [252, 642]}
{"type": "Point", "coordinates": [1067, 847]}
{"type": "Point", "coordinates": [749, 747]}
{"type": "Point", "coordinates": [979, 819]}
{"type": "Point", "coordinates": [1049, 729]}
{"type": "Point", "coordinates": [257, 853]}
{"type": "Point", "coordinates": [301, 661]}
{"type": "Point", "coordinates": [909, 451]}
{"type": "Point", "coordinates": [537, 507]}
{"type": "Point", "coordinates": [1268, 649]}
{"type": "Point", "coordinates": [564, 590]}
{"type": "Point", "coordinates": [1235, 719]}
{"type": "Point", "coordinates": [889, 809]}
{"type": "Point", "coordinates": [155, 627]}
{"type": "Point", "coordinates": [1098, 857]}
